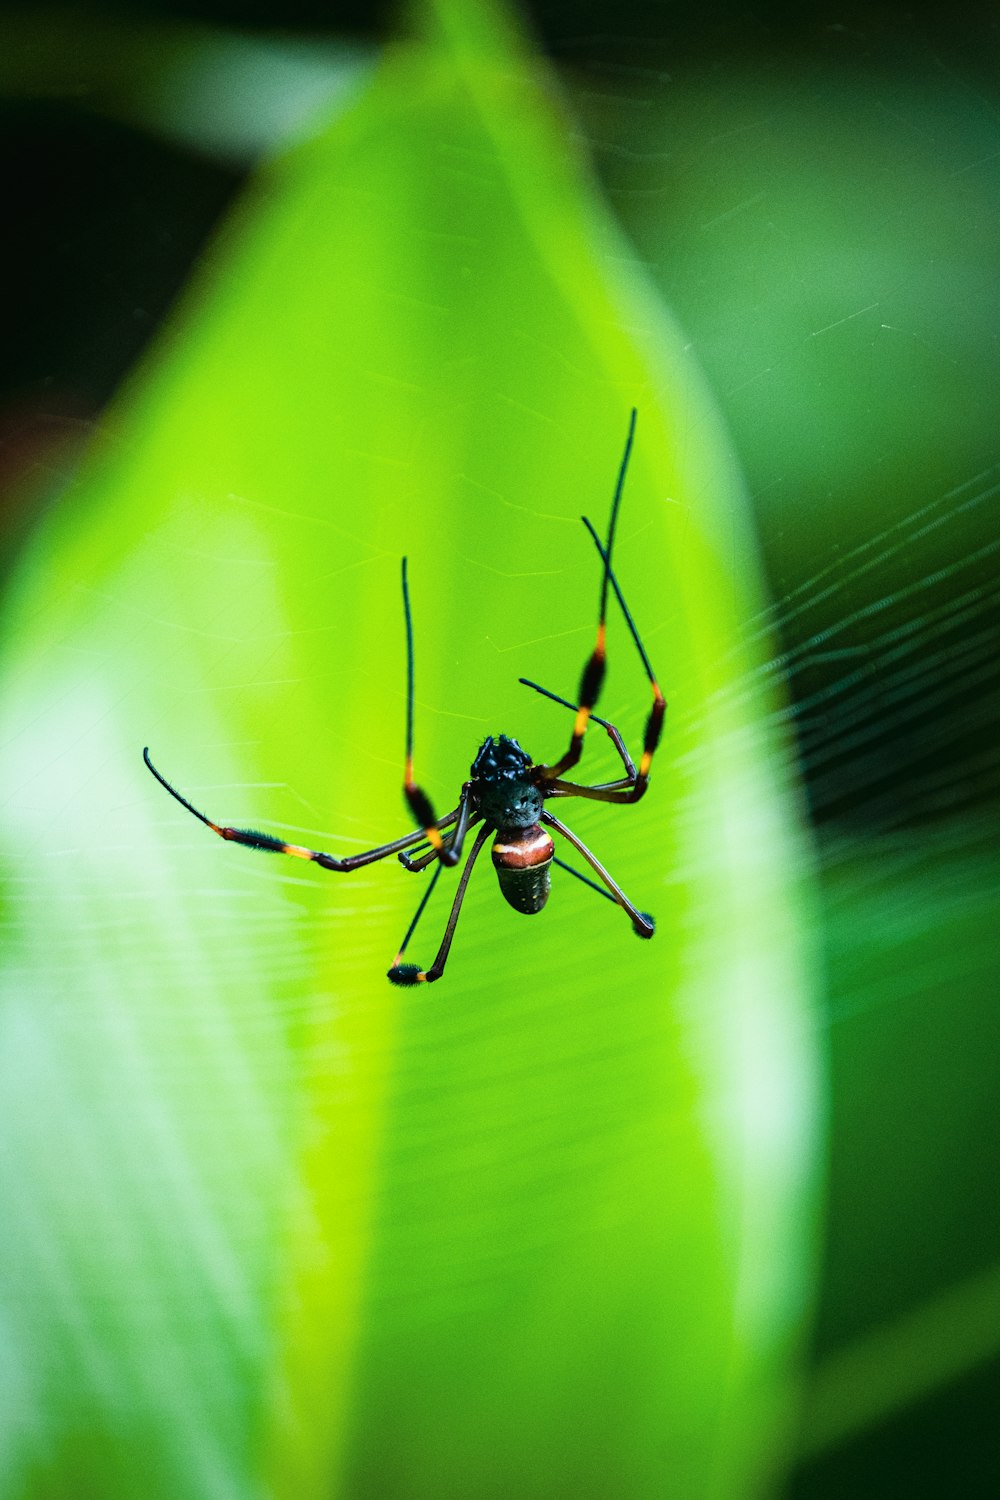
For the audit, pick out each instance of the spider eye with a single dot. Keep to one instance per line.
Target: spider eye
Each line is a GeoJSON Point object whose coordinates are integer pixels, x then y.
{"type": "Point", "coordinates": [404, 974]}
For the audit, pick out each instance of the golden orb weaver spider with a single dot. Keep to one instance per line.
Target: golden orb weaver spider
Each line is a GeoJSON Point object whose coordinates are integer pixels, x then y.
{"type": "Point", "coordinates": [506, 792]}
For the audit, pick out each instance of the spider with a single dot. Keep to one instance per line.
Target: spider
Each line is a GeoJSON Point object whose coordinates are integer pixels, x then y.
{"type": "Point", "coordinates": [506, 793]}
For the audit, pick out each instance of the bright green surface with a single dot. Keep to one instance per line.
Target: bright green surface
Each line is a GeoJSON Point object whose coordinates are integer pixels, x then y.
{"type": "Point", "coordinates": [273, 1227]}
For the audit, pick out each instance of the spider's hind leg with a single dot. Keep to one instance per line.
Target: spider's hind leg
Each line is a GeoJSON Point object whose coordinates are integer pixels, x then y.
{"type": "Point", "coordinates": [601, 891]}
{"type": "Point", "coordinates": [643, 924]}
{"type": "Point", "coordinates": [406, 974]}
{"type": "Point", "coordinates": [410, 973]}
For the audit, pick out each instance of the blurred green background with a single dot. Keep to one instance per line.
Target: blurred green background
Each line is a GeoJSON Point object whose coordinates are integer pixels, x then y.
{"type": "Point", "coordinates": [289, 299]}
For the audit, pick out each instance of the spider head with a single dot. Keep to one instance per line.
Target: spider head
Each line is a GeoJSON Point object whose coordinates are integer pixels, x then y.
{"type": "Point", "coordinates": [500, 760]}
{"type": "Point", "coordinates": [503, 792]}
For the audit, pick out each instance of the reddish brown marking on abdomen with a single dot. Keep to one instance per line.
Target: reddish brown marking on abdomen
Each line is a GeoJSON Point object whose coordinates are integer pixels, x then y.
{"type": "Point", "coordinates": [521, 858]}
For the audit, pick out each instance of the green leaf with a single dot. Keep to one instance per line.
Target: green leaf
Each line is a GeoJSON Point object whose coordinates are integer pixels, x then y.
{"type": "Point", "coordinates": [274, 1226]}
{"type": "Point", "coordinates": [912, 1287]}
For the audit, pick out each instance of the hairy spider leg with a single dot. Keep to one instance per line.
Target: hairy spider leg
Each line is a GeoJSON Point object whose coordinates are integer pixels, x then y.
{"type": "Point", "coordinates": [643, 924]}
{"type": "Point", "coordinates": [593, 673]}
{"type": "Point", "coordinates": [417, 799]}
{"type": "Point", "coordinates": [253, 839]}
{"type": "Point", "coordinates": [411, 973]}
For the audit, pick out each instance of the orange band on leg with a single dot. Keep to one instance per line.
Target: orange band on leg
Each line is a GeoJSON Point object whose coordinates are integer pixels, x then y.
{"type": "Point", "coordinates": [297, 851]}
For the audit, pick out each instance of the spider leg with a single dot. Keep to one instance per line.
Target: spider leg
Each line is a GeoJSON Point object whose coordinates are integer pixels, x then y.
{"type": "Point", "coordinates": [571, 870]}
{"type": "Point", "coordinates": [621, 793]}
{"type": "Point", "coordinates": [411, 973]}
{"type": "Point", "coordinates": [642, 923]}
{"type": "Point", "coordinates": [633, 787]}
{"type": "Point", "coordinates": [417, 799]}
{"type": "Point", "coordinates": [654, 723]}
{"type": "Point", "coordinates": [423, 855]}
{"type": "Point", "coordinates": [574, 789]}
{"type": "Point", "coordinates": [272, 845]}
{"type": "Point", "coordinates": [593, 677]}
{"type": "Point", "coordinates": [418, 914]}
{"type": "Point", "coordinates": [593, 672]}
{"type": "Point", "coordinates": [613, 733]}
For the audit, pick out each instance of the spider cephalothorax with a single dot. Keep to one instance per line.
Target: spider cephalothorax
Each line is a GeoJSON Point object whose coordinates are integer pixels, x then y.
{"type": "Point", "coordinates": [502, 788]}
{"type": "Point", "coordinates": [506, 793]}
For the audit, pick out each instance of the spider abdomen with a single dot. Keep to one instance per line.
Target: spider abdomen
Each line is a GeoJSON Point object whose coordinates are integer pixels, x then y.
{"type": "Point", "coordinates": [522, 858]}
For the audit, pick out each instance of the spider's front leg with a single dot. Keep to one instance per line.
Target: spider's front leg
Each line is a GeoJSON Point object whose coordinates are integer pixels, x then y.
{"type": "Point", "coordinates": [633, 786]}
{"type": "Point", "coordinates": [268, 843]}
{"type": "Point", "coordinates": [465, 819]}
{"type": "Point", "coordinates": [417, 799]}
{"type": "Point", "coordinates": [614, 734]}
{"type": "Point", "coordinates": [593, 673]}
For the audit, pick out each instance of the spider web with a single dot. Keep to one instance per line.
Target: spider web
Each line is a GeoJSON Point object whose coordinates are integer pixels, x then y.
{"type": "Point", "coordinates": [825, 225]}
